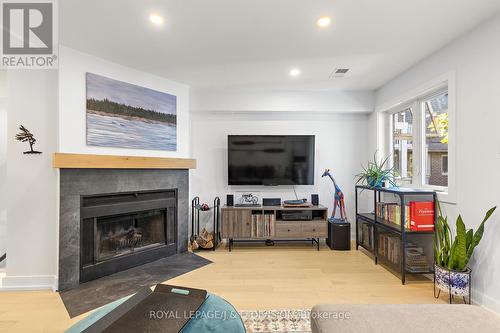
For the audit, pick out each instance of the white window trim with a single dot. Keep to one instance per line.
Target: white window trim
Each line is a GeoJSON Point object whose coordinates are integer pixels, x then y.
{"type": "Point", "coordinates": [384, 141]}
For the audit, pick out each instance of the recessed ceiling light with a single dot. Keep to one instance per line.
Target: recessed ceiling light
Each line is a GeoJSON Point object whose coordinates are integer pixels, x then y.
{"type": "Point", "coordinates": [294, 72]}
{"type": "Point", "coordinates": [156, 19]}
{"type": "Point", "coordinates": [324, 21]}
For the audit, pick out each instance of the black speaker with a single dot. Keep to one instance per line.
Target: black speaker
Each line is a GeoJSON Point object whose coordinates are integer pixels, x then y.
{"type": "Point", "coordinates": [229, 200]}
{"type": "Point", "coordinates": [339, 236]}
{"type": "Point", "coordinates": [271, 201]}
{"type": "Point", "coordinates": [315, 199]}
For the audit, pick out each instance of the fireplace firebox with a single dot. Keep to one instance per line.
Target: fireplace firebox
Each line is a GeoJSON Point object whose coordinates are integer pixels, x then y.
{"type": "Point", "coordinates": [123, 230]}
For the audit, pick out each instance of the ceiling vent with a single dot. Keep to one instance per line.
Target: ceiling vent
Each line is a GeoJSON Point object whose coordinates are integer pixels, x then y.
{"type": "Point", "coordinates": [339, 72]}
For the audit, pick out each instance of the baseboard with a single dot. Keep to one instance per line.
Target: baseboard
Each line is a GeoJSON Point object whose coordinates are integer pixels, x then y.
{"type": "Point", "coordinates": [485, 301]}
{"type": "Point", "coordinates": [37, 282]}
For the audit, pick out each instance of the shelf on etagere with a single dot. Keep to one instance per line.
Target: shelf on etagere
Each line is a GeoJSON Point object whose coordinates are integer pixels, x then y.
{"type": "Point", "coordinates": [417, 232]}
{"type": "Point", "coordinates": [397, 190]}
{"type": "Point", "coordinates": [389, 225]}
{"type": "Point", "coordinates": [368, 217]}
{"type": "Point", "coordinates": [397, 227]}
{"type": "Point", "coordinates": [409, 271]}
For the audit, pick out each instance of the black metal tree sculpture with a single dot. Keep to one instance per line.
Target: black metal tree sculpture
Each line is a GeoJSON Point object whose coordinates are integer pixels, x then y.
{"type": "Point", "coordinates": [26, 136]}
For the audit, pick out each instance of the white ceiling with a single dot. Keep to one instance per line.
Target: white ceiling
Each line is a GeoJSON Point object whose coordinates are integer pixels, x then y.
{"type": "Point", "coordinates": [255, 43]}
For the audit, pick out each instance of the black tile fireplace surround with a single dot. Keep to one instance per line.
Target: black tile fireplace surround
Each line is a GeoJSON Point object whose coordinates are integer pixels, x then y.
{"type": "Point", "coordinates": [134, 216]}
{"type": "Point", "coordinates": [123, 230]}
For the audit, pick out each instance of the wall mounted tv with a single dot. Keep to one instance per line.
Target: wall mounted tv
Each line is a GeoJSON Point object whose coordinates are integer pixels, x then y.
{"type": "Point", "coordinates": [270, 159]}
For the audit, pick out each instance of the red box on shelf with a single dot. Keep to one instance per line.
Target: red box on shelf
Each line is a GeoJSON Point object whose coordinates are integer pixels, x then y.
{"type": "Point", "coordinates": [421, 216]}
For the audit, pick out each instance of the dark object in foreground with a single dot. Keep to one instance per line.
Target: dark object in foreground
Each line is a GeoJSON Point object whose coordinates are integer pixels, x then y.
{"type": "Point", "coordinates": [26, 136]}
{"type": "Point", "coordinates": [339, 235]}
{"type": "Point", "coordinates": [166, 309]}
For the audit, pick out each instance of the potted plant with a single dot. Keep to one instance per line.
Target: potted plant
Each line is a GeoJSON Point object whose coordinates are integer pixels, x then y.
{"type": "Point", "coordinates": [452, 254]}
{"type": "Point", "coordinates": [375, 174]}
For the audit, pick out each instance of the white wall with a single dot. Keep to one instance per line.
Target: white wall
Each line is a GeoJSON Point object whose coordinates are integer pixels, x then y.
{"type": "Point", "coordinates": [72, 103]}
{"type": "Point", "coordinates": [475, 60]}
{"type": "Point", "coordinates": [31, 181]}
{"type": "Point", "coordinates": [340, 146]}
{"type": "Point", "coordinates": [3, 161]}
{"type": "Point", "coordinates": [264, 100]}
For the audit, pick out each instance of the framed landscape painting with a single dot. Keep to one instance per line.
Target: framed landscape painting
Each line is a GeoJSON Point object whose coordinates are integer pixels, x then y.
{"type": "Point", "coordinates": [124, 115]}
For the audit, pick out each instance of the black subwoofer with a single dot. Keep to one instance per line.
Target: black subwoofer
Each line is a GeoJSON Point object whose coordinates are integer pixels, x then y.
{"type": "Point", "coordinates": [339, 236]}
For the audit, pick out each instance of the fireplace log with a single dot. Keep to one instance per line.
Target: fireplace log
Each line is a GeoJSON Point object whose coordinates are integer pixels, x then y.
{"type": "Point", "coordinates": [204, 240]}
{"type": "Point", "coordinates": [208, 245]}
{"type": "Point", "coordinates": [131, 239]}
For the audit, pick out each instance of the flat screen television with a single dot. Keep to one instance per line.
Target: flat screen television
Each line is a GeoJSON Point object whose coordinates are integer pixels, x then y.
{"type": "Point", "coordinates": [270, 159]}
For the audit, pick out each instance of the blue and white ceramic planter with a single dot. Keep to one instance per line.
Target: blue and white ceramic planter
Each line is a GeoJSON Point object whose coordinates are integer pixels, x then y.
{"type": "Point", "coordinates": [456, 283]}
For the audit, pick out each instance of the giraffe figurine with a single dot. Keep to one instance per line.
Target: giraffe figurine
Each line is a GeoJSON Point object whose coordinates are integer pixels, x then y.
{"type": "Point", "coordinates": [339, 197]}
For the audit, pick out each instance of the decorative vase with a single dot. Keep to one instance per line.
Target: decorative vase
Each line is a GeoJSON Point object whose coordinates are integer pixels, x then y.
{"type": "Point", "coordinates": [455, 283]}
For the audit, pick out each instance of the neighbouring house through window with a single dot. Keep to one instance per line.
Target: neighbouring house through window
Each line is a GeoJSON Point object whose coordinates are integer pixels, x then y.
{"type": "Point", "coordinates": [402, 145]}
{"type": "Point", "coordinates": [444, 164]}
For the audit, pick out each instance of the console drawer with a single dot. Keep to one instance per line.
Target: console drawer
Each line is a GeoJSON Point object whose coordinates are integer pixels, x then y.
{"type": "Point", "coordinates": [314, 229]}
{"type": "Point", "coordinates": [289, 230]}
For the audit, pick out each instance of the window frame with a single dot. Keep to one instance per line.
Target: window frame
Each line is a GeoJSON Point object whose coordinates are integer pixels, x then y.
{"type": "Point", "coordinates": [383, 127]}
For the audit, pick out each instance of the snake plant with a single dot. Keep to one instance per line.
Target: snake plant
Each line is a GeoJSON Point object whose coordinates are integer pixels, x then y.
{"type": "Point", "coordinates": [375, 173]}
{"type": "Point", "coordinates": [455, 253]}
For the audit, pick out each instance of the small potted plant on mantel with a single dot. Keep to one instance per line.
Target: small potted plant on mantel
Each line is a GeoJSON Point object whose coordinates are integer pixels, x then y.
{"type": "Point", "coordinates": [376, 174]}
{"type": "Point", "coordinates": [452, 254]}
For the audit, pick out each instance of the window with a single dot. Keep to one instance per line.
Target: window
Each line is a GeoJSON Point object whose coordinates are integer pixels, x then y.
{"type": "Point", "coordinates": [402, 145]}
{"type": "Point", "coordinates": [419, 141]}
{"type": "Point", "coordinates": [435, 124]}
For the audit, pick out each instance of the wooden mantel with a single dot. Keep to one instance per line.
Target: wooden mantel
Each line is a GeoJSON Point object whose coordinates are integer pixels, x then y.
{"type": "Point", "coordinates": [87, 161]}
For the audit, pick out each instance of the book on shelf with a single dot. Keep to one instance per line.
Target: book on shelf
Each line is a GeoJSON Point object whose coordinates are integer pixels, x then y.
{"type": "Point", "coordinates": [422, 216]}
{"type": "Point", "coordinates": [262, 225]}
{"type": "Point", "coordinates": [366, 236]}
{"type": "Point", "coordinates": [419, 216]}
{"type": "Point", "coordinates": [389, 247]}
{"type": "Point", "coordinates": [391, 212]}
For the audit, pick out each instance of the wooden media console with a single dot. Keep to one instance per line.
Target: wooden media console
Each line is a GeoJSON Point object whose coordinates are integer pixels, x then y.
{"type": "Point", "coordinates": [273, 223]}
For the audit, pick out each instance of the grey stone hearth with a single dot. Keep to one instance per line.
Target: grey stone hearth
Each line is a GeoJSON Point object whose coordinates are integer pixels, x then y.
{"type": "Point", "coordinates": [77, 182]}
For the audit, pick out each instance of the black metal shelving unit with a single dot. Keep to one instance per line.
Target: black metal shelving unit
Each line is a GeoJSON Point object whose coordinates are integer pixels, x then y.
{"type": "Point", "coordinates": [369, 227]}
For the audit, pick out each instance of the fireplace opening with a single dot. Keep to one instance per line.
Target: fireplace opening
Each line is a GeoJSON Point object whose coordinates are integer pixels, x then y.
{"type": "Point", "coordinates": [122, 230]}
{"type": "Point", "coordinates": [121, 235]}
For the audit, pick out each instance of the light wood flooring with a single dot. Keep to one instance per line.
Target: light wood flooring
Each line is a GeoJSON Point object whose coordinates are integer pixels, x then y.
{"type": "Point", "coordinates": [251, 278]}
